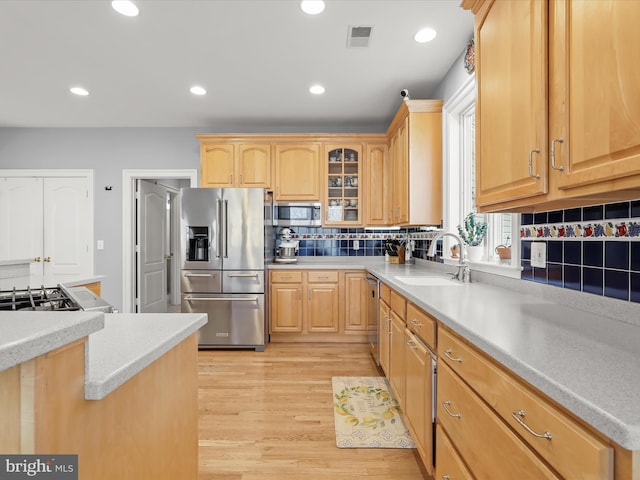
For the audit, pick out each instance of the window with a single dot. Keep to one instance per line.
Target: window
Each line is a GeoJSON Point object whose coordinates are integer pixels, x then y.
{"type": "Point", "coordinates": [459, 178]}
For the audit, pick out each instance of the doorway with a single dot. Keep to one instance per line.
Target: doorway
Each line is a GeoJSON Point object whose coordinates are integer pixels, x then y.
{"type": "Point", "coordinates": [172, 181]}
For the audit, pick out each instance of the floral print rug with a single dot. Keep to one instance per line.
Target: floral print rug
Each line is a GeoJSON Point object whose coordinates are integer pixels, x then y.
{"type": "Point", "coordinates": [366, 414]}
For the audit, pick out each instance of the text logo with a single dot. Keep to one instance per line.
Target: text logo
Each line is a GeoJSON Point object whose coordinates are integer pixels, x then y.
{"type": "Point", "coordinates": [50, 467]}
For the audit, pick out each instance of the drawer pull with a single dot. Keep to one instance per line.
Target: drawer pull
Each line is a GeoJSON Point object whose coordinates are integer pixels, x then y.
{"type": "Point", "coordinates": [446, 409]}
{"type": "Point", "coordinates": [415, 322]}
{"type": "Point", "coordinates": [520, 413]}
{"type": "Point", "coordinates": [411, 344]}
{"type": "Point", "coordinates": [445, 477]}
{"type": "Point", "coordinates": [448, 352]}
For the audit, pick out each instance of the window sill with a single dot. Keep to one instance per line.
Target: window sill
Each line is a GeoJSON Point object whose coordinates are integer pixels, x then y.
{"type": "Point", "coordinates": [489, 267]}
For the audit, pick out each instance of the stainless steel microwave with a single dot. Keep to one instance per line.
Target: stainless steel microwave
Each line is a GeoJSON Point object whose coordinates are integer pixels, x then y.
{"type": "Point", "coordinates": [297, 214]}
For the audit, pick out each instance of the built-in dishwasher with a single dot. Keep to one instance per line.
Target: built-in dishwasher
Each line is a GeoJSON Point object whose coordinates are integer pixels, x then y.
{"type": "Point", "coordinates": [373, 288]}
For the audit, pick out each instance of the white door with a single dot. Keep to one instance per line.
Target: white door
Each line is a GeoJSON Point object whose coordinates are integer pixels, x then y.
{"type": "Point", "coordinates": [67, 227]}
{"type": "Point", "coordinates": [151, 265]}
{"type": "Point", "coordinates": [21, 215]}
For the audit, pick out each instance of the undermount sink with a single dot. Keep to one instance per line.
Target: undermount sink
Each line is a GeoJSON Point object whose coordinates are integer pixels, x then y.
{"type": "Point", "coordinates": [429, 281]}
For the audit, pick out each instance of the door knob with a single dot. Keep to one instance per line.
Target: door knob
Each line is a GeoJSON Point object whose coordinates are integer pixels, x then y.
{"type": "Point", "coordinates": [47, 259]}
{"type": "Point", "coordinates": [37, 259]}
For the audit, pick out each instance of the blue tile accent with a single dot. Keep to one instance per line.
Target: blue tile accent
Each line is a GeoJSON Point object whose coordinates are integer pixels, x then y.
{"type": "Point", "coordinates": [617, 210]}
{"type": "Point", "coordinates": [592, 254]}
{"type": "Point", "coordinates": [616, 284]}
{"type": "Point", "coordinates": [616, 255]}
{"type": "Point", "coordinates": [592, 280]}
{"type": "Point", "coordinates": [592, 213]}
{"type": "Point", "coordinates": [573, 215]}
{"type": "Point", "coordinates": [572, 277]}
{"type": "Point", "coordinates": [572, 252]}
{"type": "Point", "coordinates": [594, 249]}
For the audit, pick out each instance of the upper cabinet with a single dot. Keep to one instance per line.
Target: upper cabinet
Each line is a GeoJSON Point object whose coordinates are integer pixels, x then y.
{"type": "Point", "coordinates": [343, 184]}
{"type": "Point", "coordinates": [415, 150]}
{"type": "Point", "coordinates": [234, 164]}
{"type": "Point", "coordinates": [557, 117]}
{"type": "Point", "coordinates": [297, 172]}
{"type": "Point", "coordinates": [377, 200]}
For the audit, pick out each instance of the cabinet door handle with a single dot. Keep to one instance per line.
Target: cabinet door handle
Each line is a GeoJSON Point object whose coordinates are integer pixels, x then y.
{"type": "Point", "coordinates": [519, 415]}
{"type": "Point", "coordinates": [411, 345]}
{"type": "Point", "coordinates": [448, 352]}
{"type": "Point", "coordinates": [415, 322]}
{"type": "Point", "coordinates": [535, 150]}
{"type": "Point", "coordinates": [446, 405]}
{"type": "Point", "coordinates": [299, 294]}
{"type": "Point", "coordinates": [240, 179]}
{"type": "Point", "coordinates": [47, 259]}
{"type": "Point", "coordinates": [553, 153]}
{"type": "Point", "coordinates": [37, 259]}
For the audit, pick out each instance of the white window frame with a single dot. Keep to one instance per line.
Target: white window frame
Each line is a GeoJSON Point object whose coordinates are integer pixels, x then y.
{"type": "Point", "coordinates": [457, 186]}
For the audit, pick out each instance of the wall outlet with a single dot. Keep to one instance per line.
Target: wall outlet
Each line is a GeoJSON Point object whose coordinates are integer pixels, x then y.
{"type": "Point", "coordinates": [539, 254]}
{"type": "Point", "coordinates": [100, 245]}
{"type": "Point", "coordinates": [356, 244]}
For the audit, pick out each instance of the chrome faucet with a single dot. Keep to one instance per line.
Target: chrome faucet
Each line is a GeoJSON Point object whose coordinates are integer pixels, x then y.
{"type": "Point", "coordinates": [463, 274]}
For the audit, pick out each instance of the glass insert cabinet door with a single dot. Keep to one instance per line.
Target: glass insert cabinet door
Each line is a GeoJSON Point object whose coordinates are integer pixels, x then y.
{"type": "Point", "coordinates": [344, 184]}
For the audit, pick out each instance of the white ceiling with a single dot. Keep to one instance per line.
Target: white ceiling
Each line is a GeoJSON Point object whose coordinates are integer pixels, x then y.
{"type": "Point", "coordinates": [256, 58]}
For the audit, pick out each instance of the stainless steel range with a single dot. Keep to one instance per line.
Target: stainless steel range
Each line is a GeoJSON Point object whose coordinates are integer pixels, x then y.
{"type": "Point", "coordinates": [57, 299]}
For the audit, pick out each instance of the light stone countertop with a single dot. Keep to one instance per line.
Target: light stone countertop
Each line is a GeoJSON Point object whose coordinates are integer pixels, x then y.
{"type": "Point", "coordinates": [587, 362]}
{"type": "Point", "coordinates": [36, 281]}
{"type": "Point", "coordinates": [129, 343]}
{"type": "Point", "coordinates": [119, 345]}
{"type": "Point", "coordinates": [26, 335]}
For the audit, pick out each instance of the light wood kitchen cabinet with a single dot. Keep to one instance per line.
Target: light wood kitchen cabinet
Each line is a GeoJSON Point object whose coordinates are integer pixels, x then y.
{"type": "Point", "coordinates": [377, 206]}
{"type": "Point", "coordinates": [558, 130]}
{"type": "Point", "coordinates": [304, 302]}
{"type": "Point", "coordinates": [562, 442]}
{"type": "Point", "coordinates": [384, 329]}
{"type": "Point", "coordinates": [397, 373]}
{"type": "Point", "coordinates": [415, 148]}
{"type": "Point", "coordinates": [486, 444]}
{"type": "Point", "coordinates": [235, 164]}
{"type": "Point", "coordinates": [285, 296]}
{"type": "Point", "coordinates": [356, 301]}
{"type": "Point", "coordinates": [297, 172]}
{"type": "Point", "coordinates": [449, 465]}
{"type": "Point", "coordinates": [343, 184]}
{"type": "Point", "coordinates": [322, 306]}
{"type": "Point", "coordinates": [418, 394]}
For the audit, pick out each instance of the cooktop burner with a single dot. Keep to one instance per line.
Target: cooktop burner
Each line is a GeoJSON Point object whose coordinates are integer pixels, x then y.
{"type": "Point", "coordinates": [54, 298]}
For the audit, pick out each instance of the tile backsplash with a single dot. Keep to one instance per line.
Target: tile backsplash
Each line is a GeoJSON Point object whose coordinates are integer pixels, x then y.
{"type": "Point", "coordinates": [341, 241]}
{"type": "Point", "coordinates": [593, 249]}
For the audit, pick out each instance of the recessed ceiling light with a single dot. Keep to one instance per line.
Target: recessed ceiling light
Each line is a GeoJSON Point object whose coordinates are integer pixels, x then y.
{"type": "Point", "coordinates": [83, 92]}
{"type": "Point", "coordinates": [316, 89]}
{"type": "Point", "coordinates": [125, 7]}
{"type": "Point", "coordinates": [312, 7]}
{"type": "Point", "coordinates": [197, 90]}
{"type": "Point", "coordinates": [425, 35]}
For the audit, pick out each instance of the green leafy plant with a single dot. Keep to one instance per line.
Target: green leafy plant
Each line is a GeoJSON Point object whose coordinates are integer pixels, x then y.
{"type": "Point", "coordinates": [472, 232]}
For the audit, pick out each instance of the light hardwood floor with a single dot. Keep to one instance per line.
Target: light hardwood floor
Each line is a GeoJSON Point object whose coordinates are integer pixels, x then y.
{"type": "Point", "coordinates": [269, 416]}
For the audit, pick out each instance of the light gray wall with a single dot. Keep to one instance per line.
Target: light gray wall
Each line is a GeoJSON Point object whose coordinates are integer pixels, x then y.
{"type": "Point", "coordinates": [107, 151]}
{"type": "Point", "coordinates": [453, 80]}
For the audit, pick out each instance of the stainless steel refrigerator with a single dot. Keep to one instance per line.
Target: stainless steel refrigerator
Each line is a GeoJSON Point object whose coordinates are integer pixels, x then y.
{"type": "Point", "coordinates": [225, 235]}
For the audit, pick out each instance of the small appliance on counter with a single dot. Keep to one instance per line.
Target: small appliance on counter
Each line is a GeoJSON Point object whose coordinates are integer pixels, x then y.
{"type": "Point", "coordinates": [288, 248]}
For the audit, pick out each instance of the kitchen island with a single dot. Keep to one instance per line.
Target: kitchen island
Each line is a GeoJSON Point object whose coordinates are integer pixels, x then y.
{"type": "Point", "coordinates": [119, 390]}
{"type": "Point", "coordinates": [579, 350]}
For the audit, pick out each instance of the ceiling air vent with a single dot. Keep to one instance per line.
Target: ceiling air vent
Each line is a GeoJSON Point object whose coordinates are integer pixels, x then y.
{"type": "Point", "coordinates": [359, 36]}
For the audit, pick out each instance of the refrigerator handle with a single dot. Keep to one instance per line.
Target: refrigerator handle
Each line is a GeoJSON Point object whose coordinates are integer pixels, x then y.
{"type": "Point", "coordinates": [219, 232]}
{"type": "Point", "coordinates": [226, 224]}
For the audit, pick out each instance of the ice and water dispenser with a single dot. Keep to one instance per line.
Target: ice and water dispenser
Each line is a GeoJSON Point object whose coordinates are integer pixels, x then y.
{"type": "Point", "coordinates": [198, 244]}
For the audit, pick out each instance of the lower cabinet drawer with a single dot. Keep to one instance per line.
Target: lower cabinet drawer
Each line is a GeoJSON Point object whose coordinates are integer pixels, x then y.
{"type": "Point", "coordinates": [322, 277]}
{"type": "Point", "coordinates": [485, 443]}
{"type": "Point", "coordinates": [569, 448]}
{"type": "Point", "coordinates": [449, 465]}
{"type": "Point", "coordinates": [422, 325]}
{"type": "Point", "coordinates": [286, 276]}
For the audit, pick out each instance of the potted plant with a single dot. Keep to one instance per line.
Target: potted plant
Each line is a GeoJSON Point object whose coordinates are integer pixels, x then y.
{"type": "Point", "coordinates": [472, 233]}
